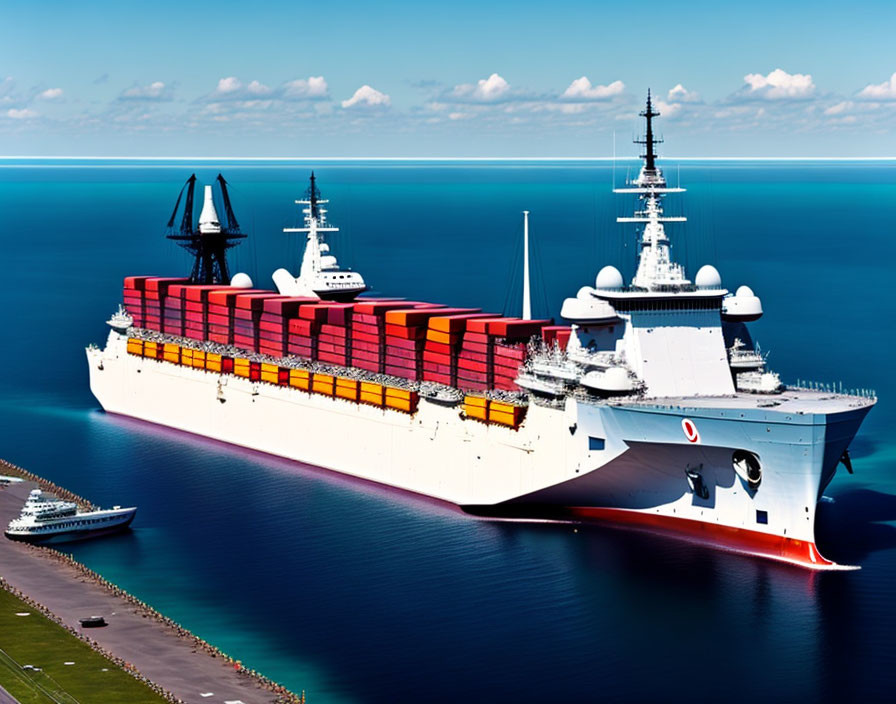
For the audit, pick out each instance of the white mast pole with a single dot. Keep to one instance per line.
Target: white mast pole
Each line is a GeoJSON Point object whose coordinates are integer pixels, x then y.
{"type": "Point", "coordinates": [527, 297]}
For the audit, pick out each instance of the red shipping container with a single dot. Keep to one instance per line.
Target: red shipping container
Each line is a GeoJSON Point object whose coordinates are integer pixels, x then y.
{"type": "Point", "coordinates": [339, 313]}
{"type": "Point", "coordinates": [509, 353]}
{"type": "Point", "coordinates": [335, 330]}
{"type": "Point", "coordinates": [161, 284]}
{"type": "Point", "coordinates": [368, 366]}
{"type": "Point", "coordinates": [437, 358]}
{"type": "Point", "coordinates": [287, 306]}
{"type": "Point", "coordinates": [516, 329]}
{"type": "Point", "coordinates": [254, 300]}
{"type": "Point", "coordinates": [473, 356]}
{"type": "Point", "coordinates": [301, 327]}
{"type": "Point", "coordinates": [227, 296]}
{"type": "Point", "coordinates": [400, 342]}
{"type": "Point", "coordinates": [377, 308]}
{"type": "Point", "coordinates": [439, 348]}
{"type": "Point", "coordinates": [223, 339]}
{"type": "Point", "coordinates": [136, 282]}
{"type": "Point", "coordinates": [366, 346]}
{"type": "Point", "coordinates": [455, 322]}
{"type": "Point", "coordinates": [475, 338]}
{"type": "Point", "coordinates": [479, 326]}
{"type": "Point", "coordinates": [199, 292]}
{"type": "Point", "coordinates": [402, 353]}
{"type": "Point", "coordinates": [316, 312]}
{"type": "Point", "coordinates": [471, 365]}
{"type": "Point", "coordinates": [363, 337]}
{"type": "Point", "coordinates": [404, 332]}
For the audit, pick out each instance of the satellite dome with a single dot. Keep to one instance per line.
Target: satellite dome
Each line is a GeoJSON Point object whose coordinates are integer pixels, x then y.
{"type": "Point", "coordinates": [708, 277]}
{"type": "Point", "coordinates": [241, 280]}
{"type": "Point", "coordinates": [584, 293]}
{"type": "Point", "coordinates": [608, 278]}
{"type": "Point", "coordinates": [744, 292]}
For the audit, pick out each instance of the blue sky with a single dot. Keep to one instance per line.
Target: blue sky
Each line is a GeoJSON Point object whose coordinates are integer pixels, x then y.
{"type": "Point", "coordinates": [455, 79]}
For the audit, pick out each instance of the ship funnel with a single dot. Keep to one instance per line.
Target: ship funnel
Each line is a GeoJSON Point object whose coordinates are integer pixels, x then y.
{"type": "Point", "coordinates": [208, 218]}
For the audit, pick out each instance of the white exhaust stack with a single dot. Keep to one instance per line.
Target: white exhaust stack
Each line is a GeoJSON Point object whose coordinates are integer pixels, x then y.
{"type": "Point", "coordinates": [208, 218]}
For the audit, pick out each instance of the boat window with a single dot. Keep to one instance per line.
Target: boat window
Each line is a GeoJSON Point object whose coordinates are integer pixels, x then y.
{"type": "Point", "coordinates": [762, 517]}
{"type": "Point", "coordinates": [596, 444]}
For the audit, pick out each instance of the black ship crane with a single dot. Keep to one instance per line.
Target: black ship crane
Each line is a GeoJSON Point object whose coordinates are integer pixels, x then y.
{"type": "Point", "coordinates": [208, 242]}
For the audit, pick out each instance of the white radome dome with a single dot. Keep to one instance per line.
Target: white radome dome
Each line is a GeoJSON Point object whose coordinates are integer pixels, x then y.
{"type": "Point", "coordinates": [585, 293]}
{"type": "Point", "coordinates": [608, 278]}
{"type": "Point", "coordinates": [708, 277]}
{"type": "Point", "coordinates": [744, 292]}
{"type": "Point", "coordinates": [241, 280]}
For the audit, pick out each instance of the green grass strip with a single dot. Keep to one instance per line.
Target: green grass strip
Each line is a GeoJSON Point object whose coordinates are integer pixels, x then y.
{"type": "Point", "coordinates": [37, 641]}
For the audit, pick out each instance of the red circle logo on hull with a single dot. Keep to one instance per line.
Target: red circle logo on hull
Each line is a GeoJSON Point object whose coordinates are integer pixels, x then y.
{"type": "Point", "coordinates": [690, 430]}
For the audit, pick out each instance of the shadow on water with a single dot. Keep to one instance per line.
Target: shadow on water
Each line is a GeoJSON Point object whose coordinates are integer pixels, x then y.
{"type": "Point", "coordinates": [855, 525]}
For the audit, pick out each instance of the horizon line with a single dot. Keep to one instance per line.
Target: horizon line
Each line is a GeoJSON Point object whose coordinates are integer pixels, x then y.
{"type": "Point", "coordinates": [441, 158]}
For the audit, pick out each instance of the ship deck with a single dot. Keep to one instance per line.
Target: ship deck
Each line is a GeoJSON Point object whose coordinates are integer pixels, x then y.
{"type": "Point", "coordinates": [790, 401]}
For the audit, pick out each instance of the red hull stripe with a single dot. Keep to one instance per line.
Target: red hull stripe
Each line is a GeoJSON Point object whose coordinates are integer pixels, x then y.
{"type": "Point", "coordinates": [778, 547]}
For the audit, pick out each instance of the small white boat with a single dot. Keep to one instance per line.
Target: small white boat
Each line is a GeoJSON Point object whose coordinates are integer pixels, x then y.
{"type": "Point", "coordinates": [46, 519]}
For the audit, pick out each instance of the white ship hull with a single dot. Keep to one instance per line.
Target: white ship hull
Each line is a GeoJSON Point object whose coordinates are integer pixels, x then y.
{"type": "Point", "coordinates": [75, 528]}
{"type": "Point", "coordinates": [588, 461]}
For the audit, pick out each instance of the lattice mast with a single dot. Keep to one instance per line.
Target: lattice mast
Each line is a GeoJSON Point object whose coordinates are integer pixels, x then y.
{"type": "Point", "coordinates": [210, 240]}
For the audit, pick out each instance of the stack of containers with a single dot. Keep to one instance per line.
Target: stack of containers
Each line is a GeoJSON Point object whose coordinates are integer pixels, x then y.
{"type": "Point", "coordinates": [556, 335]}
{"type": "Point", "coordinates": [247, 310]}
{"type": "Point", "coordinates": [220, 314]}
{"type": "Point", "coordinates": [509, 347]}
{"type": "Point", "coordinates": [334, 341]}
{"type": "Point", "coordinates": [173, 311]}
{"type": "Point", "coordinates": [273, 326]}
{"type": "Point", "coordinates": [443, 336]}
{"type": "Point", "coordinates": [195, 302]}
{"type": "Point", "coordinates": [154, 299]}
{"type": "Point", "coordinates": [304, 330]}
{"type": "Point", "coordinates": [369, 333]}
{"type": "Point", "coordinates": [133, 298]}
{"type": "Point", "coordinates": [474, 361]}
{"type": "Point", "coordinates": [405, 336]}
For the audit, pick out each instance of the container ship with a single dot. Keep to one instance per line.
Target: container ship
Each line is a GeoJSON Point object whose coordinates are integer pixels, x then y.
{"type": "Point", "coordinates": [650, 406]}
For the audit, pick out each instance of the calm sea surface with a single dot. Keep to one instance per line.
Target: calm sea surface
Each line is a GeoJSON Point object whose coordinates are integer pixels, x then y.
{"type": "Point", "coordinates": [356, 594]}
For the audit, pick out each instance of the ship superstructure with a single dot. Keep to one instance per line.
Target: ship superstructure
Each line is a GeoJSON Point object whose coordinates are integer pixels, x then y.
{"type": "Point", "coordinates": [651, 407]}
{"type": "Point", "coordinates": [320, 275]}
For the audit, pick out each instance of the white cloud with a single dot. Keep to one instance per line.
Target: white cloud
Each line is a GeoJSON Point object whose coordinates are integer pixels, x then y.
{"type": "Point", "coordinates": [778, 85]}
{"type": "Point", "coordinates": [459, 115]}
{"type": "Point", "coordinates": [22, 114]}
{"type": "Point", "coordinates": [231, 84]}
{"type": "Point", "coordinates": [667, 109]}
{"type": "Point", "coordinates": [301, 88]}
{"type": "Point", "coordinates": [581, 89]}
{"type": "Point", "coordinates": [486, 89]}
{"type": "Point", "coordinates": [368, 97]}
{"type": "Point", "coordinates": [880, 91]}
{"type": "Point", "coordinates": [257, 88]}
{"type": "Point", "coordinates": [680, 94]}
{"type": "Point", "coordinates": [50, 94]}
{"type": "Point", "coordinates": [154, 91]}
{"type": "Point", "coordinates": [839, 108]}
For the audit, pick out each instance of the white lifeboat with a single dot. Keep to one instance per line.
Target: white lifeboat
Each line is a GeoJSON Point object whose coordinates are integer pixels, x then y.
{"type": "Point", "coordinates": [613, 380]}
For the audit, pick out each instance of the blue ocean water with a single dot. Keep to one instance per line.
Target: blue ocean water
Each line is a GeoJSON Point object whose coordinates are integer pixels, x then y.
{"type": "Point", "coordinates": [357, 594]}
